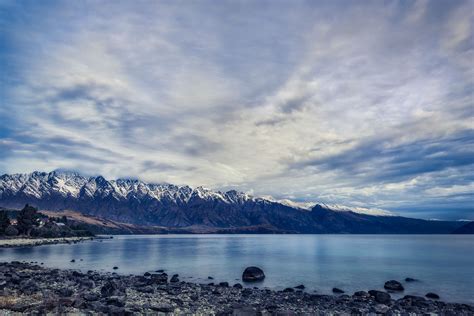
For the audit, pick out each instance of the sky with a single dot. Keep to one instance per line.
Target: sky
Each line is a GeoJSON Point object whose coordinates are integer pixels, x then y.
{"type": "Point", "coordinates": [359, 103]}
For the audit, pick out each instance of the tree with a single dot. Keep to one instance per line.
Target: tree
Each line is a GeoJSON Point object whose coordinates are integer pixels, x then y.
{"type": "Point", "coordinates": [4, 222]}
{"type": "Point", "coordinates": [27, 219]}
{"type": "Point", "coordinates": [11, 231]}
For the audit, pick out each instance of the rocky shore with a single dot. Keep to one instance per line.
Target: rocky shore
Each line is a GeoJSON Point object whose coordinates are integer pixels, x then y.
{"type": "Point", "coordinates": [28, 288]}
{"type": "Point", "coordinates": [31, 242]}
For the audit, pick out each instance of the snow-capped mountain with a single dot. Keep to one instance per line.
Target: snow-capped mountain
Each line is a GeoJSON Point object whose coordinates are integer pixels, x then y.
{"type": "Point", "coordinates": [334, 207]}
{"type": "Point", "coordinates": [140, 203]}
{"type": "Point", "coordinates": [41, 185]}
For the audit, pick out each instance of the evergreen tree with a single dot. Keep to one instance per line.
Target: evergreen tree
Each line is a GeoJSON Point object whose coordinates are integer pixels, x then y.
{"type": "Point", "coordinates": [4, 222]}
{"type": "Point", "coordinates": [27, 219]}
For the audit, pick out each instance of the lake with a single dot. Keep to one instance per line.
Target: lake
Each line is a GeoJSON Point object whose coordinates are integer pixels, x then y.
{"type": "Point", "coordinates": [443, 264]}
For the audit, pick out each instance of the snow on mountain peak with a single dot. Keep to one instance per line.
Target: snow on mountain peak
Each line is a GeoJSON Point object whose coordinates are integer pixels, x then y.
{"type": "Point", "coordinates": [71, 184]}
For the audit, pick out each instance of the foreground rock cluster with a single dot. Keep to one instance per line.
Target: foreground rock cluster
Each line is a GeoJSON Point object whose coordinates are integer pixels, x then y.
{"type": "Point", "coordinates": [29, 288]}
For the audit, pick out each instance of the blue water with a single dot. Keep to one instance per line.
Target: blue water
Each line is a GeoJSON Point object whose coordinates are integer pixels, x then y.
{"type": "Point", "coordinates": [444, 264]}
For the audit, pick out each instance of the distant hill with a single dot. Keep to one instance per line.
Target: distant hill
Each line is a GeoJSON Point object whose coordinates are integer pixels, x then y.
{"type": "Point", "coordinates": [465, 229]}
{"type": "Point", "coordinates": [167, 207]}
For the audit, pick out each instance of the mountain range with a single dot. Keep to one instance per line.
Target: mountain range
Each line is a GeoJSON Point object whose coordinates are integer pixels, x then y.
{"type": "Point", "coordinates": [134, 202]}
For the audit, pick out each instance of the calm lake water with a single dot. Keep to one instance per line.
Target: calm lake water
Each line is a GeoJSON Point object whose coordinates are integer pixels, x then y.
{"type": "Point", "coordinates": [444, 264]}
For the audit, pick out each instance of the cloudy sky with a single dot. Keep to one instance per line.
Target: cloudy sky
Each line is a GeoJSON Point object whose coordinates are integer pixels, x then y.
{"type": "Point", "coordinates": [361, 103]}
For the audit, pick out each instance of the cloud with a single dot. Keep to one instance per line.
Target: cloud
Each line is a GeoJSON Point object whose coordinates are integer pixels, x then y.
{"type": "Point", "coordinates": [368, 104]}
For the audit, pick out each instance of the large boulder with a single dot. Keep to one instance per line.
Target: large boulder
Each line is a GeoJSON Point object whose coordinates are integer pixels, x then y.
{"type": "Point", "coordinates": [380, 297]}
{"type": "Point", "coordinates": [393, 285]}
{"type": "Point", "coordinates": [253, 274]}
{"type": "Point", "coordinates": [433, 296]}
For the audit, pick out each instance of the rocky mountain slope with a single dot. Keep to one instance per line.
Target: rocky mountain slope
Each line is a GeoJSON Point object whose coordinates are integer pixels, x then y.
{"type": "Point", "coordinates": [165, 205]}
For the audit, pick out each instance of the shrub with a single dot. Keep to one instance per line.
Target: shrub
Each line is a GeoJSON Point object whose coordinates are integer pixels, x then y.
{"type": "Point", "coordinates": [4, 222]}
{"type": "Point", "coordinates": [11, 231]}
{"type": "Point", "coordinates": [27, 219]}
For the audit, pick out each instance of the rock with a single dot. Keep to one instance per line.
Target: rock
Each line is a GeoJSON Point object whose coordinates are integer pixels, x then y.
{"type": "Point", "coordinates": [210, 278]}
{"type": "Point", "coordinates": [28, 287]}
{"type": "Point", "coordinates": [410, 280]}
{"type": "Point", "coordinates": [300, 287]}
{"type": "Point", "coordinates": [432, 295]}
{"type": "Point", "coordinates": [224, 284]}
{"type": "Point", "coordinates": [164, 308]}
{"type": "Point", "coordinates": [73, 260]}
{"type": "Point", "coordinates": [174, 279]}
{"type": "Point", "coordinates": [64, 301]}
{"type": "Point", "coordinates": [91, 297]}
{"type": "Point", "coordinates": [413, 297]}
{"type": "Point", "coordinates": [115, 268]}
{"type": "Point", "coordinates": [109, 289]}
{"type": "Point", "coordinates": [238, 286]}
{"type": "Point", "coordinates": [146, 289]}
{"type": "Point", "coordinates": [393, 285]}
{"type": "Point", "coordinates": [247, 292]}
{"type": "Point", "coordinates": [147, 274]}
{"type": "Point", "coordinates": [161, 278]}
{"type": "Point", "coordinates": [247, 311]}
{"type": "Point", "coordinates": [337, 290]}
{"type": "Point", "coordinates": [65, 292]}
{"type": "Point", "coordinates": [380, 297]}
{"type": "Point", "coordinates": [116, 301]}
{"type": "Point", "coordinates": [361, 294]}
{"type": "Point", "coordinates": [288, 290]}
{"type": "Point", "coordinates": [381, 308]}
{"type": "Point", "coordinates": [253, 274]}
{"type": "Point", "coordinates": [115, 310]}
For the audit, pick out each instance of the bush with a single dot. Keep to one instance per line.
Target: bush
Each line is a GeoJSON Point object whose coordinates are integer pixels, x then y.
{"type": "Point", "coordinates": [27, 219]}
{"type": "Point", "coordinates": [11, 231]}
{"type": "Point", "coordinates": [4, 222]}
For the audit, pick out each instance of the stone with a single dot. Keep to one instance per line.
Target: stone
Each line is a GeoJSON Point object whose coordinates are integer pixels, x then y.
{"type": "Point", "coordinates": [253, 274]}
{"type": "Point", "coordinates": [164, 308]}
{"type": "Point", "coordinates": [380, 297]}
{"type": "Point", "coordinates": [432, 295]}
{"type": "Point", "coordinates": [146, 289]}
{"type": "Point", "coordinates": [337, 290]}
{"type": "Point", "coordinates": [91, 297]}
{"type": "Point", "coordinates": [174, 279]}
{"type": "Point", "coordinates": [238, 286]}
{"type": "Point", "coordinates": [361, 294]}
{"type": "Point", "coordinates": [224, 284]}
{"type": "Point", "coordinates": [300, 287]}
{"type": "Point", "coordinates": [116, 301]}
{"type": "Point", "coordinates": [288, 290]}
{"type": "Point", "coordinates": [410, 280]}
{"type": "Point", "coordinates": [393, 285]}
{"type": "Point", "coordinates": [28, 287]}
{"type": "Point", "coordinates": [108, 289]}
{"type": "Point", "coordinates": [65, 292]}
{"type": "Point", "coordinates": [161, 278]}
{"type": "Point", "coordinates": [247, 292]}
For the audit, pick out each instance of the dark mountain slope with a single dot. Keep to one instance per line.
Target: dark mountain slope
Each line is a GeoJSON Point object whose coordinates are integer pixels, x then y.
{"type": "Point", "coordinates": [465, 229]}
{"type": "Point", "coordinates": [138, 203]}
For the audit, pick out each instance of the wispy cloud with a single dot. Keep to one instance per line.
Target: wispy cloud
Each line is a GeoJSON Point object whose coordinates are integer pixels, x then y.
{"type": "Point", "coordinates": [368, 104]}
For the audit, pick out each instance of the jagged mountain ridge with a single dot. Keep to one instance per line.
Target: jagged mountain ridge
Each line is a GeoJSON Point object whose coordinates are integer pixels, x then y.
{"type": "Point", "coordinates": [136, 202]}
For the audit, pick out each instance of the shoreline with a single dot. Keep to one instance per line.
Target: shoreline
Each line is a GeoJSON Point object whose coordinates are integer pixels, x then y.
{"type": "Point", "coordinates": [34, 242]}
{"type": "Point", "coordinates": [27, 288]}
